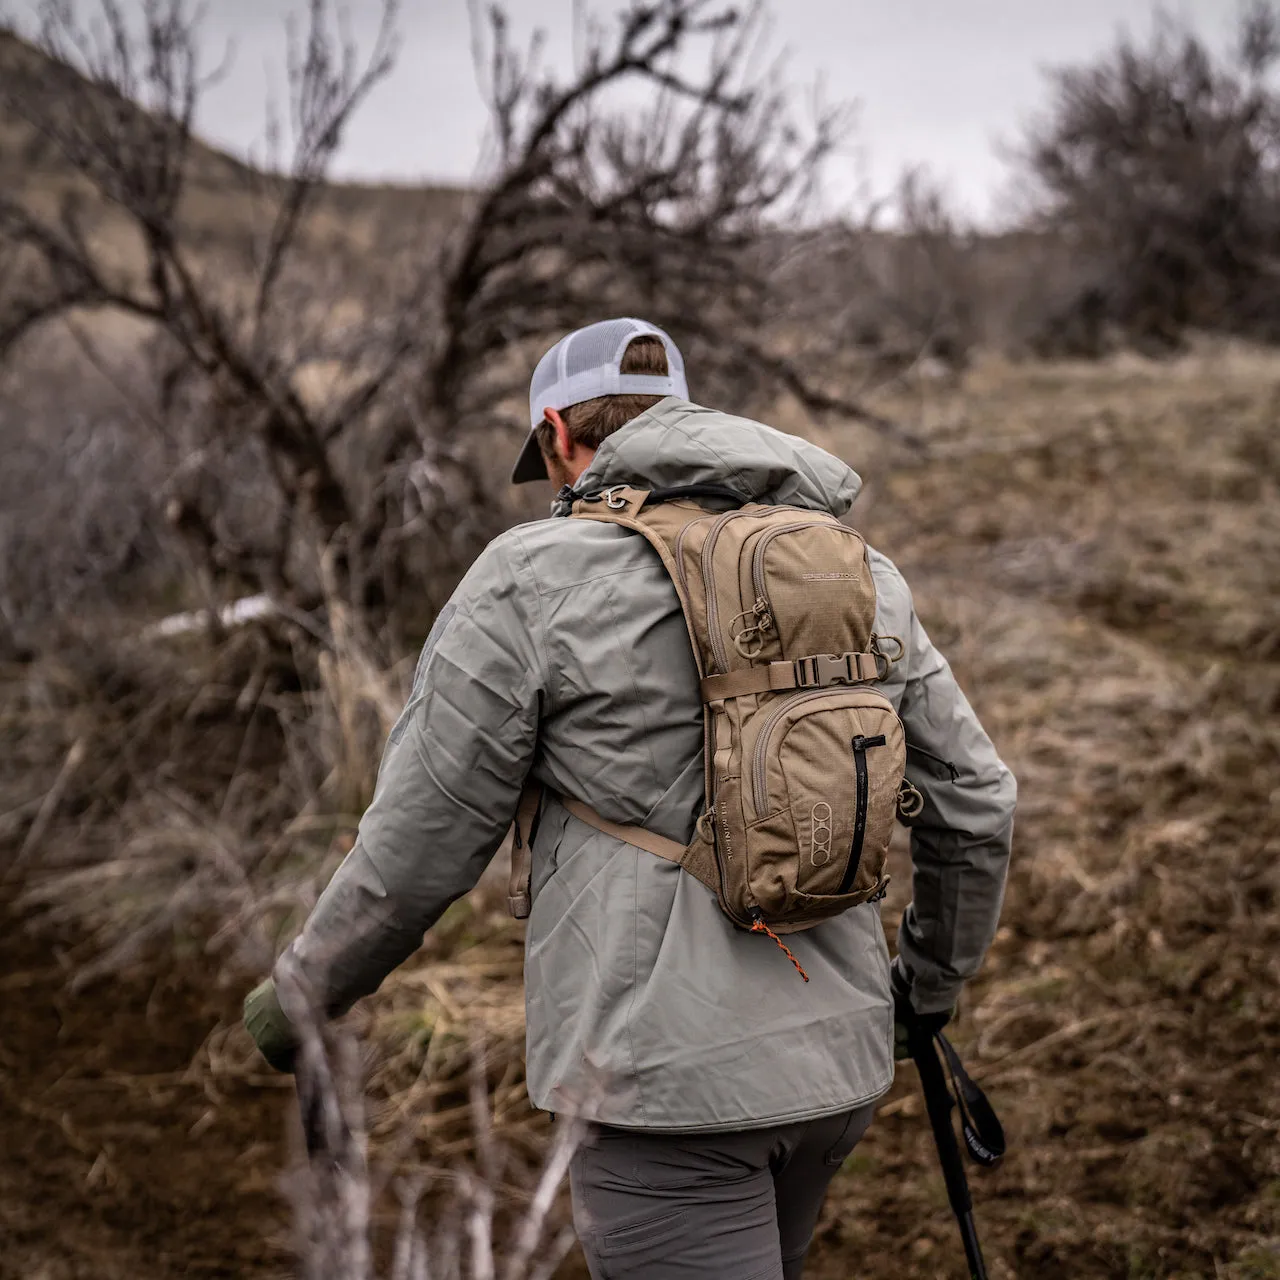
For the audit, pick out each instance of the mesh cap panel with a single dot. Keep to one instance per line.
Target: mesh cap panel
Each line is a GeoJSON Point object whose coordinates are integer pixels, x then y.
{"type": "Point", "coordinates": [585, 364]}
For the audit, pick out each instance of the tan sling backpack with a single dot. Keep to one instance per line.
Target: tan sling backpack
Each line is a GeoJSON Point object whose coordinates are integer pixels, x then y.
{"type": "Point", "coordinates": [803, 757]}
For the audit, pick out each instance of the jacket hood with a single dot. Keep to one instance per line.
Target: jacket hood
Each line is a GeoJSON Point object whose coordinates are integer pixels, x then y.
{"type": "Point", "coordinates": [678, 443]}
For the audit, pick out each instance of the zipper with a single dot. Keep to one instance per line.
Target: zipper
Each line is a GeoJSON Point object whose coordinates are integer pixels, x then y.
{"type": "Point", "coordinates": [928, 755]}
{"type": "Point", "coordinates": [759, 795]}
{"type": "Point", "coordinates": [860, 747]}
{"type": "Point", "coordinates": [718, 650]}
{"type": "Point", "coordinates": [759, 783]}
{"type": "Point", "coordinates": [679, 549]}
{"type": "Point", "coordinates": [709, 590]}
{"type": "Point", "coordinates": [757, 559]}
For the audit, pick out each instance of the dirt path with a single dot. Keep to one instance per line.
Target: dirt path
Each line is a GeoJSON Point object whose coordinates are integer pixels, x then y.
{"type": "Point", "coordinates": [112, 1165]}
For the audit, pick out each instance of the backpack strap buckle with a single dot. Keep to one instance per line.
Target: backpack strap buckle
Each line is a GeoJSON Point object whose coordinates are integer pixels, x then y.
{"type": "Point", "coordinates": [822, 669]}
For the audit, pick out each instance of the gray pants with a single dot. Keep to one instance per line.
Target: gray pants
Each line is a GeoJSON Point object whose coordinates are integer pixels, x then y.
{"type": "Point", "coordinates": [718, 1206]}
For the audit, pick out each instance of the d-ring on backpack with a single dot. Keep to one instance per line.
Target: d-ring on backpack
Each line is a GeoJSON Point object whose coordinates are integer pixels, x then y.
{"type": "Point", "coordinates": [803, 757]}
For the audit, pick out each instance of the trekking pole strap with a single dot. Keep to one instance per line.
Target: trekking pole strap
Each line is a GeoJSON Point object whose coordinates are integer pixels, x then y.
{"type": "Point", "coordinates": [939, 1104]}
{"type": "Point", "coordinates": [983, 1132]}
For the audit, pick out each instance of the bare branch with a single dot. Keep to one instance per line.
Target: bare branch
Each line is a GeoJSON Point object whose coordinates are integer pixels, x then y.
{"type": "Point", "coordinates": [328, 87]}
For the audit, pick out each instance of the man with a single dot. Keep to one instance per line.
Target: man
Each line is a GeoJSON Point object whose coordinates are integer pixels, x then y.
{"type": "Point", "coordinates": [723, 1093]}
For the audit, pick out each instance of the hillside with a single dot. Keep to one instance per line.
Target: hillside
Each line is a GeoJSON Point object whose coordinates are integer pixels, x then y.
{"type": "Point", "coordinates": [226, 200]}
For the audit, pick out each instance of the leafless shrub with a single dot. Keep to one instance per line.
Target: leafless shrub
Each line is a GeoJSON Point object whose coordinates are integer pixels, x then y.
{"type": "Point", "coordinates": [304, 407]}
{"type": "Point", "coordinates": [231, 334]}
{"type": "Point", "coordinates": [214, 790]}
{"type": "Point", "coordinates": [96, 524]}
{"type": "Point", "coordinates": [1160, 166]}
{"type": "Point", "coordinates": [673, 210]}
{"type": "Point", "coordinates": [478, 1215]}
{"type": "Point", "coordinates": [901, 279]}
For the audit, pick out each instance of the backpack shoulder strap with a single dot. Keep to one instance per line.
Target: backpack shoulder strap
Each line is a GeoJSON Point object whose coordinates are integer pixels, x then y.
{"type": "Point", "coordinates": [519, 894]}
{"type": "Point", "coordinates": [659, 516]}
{"type": "Point", "coordinates": [660, 525]}
{"type": "Point", "coordinates": [660, 528]}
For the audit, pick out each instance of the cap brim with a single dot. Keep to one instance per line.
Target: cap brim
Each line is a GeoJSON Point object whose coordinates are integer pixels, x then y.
{"type": "Point", "coordinates": [530, 465]}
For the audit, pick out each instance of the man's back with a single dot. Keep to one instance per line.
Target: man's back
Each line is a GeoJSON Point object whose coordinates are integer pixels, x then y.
{"type": "Point", "coordinates": [565, 657]}
{"type": "Point", "coordinates": [563, 660]}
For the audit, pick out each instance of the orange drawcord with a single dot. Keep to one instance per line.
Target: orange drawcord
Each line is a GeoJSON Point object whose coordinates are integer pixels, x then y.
{"type": "Point", "coordinates": [758, 926]}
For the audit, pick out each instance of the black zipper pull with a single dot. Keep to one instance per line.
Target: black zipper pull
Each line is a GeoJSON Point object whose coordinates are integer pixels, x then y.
{"type": "Point", "coordinates": [928, 755]}
{"type": "Point", "coordinates": [860, 748]}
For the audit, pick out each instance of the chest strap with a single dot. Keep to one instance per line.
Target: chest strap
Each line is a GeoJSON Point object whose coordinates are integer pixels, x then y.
{"type": "Point", "coordinates": [815, 672]}
{"type": "Point", "coordinates": [520, 894]}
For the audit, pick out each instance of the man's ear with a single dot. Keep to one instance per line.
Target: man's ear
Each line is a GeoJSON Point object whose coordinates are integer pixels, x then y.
{"type": "Point", "coordinates": [564, 441]}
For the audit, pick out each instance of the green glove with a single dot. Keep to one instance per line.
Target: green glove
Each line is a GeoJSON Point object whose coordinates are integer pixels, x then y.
{"type": "Point", "coordinates": [272, 1032]}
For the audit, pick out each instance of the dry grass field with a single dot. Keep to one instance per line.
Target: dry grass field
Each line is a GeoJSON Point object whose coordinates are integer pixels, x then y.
{"type": "Point", "coordinates": [1101, 558]}
{"type": "Point", "coordinates": [1097, 547]}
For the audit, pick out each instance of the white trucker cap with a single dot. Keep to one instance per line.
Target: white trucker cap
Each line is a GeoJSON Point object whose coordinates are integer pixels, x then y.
{"type": "Point", "coordinates": [585, 364]}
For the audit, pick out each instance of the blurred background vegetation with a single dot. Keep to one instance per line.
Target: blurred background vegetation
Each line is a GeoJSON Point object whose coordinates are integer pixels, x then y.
{"type": "Point", "coordinates": [256, 423]}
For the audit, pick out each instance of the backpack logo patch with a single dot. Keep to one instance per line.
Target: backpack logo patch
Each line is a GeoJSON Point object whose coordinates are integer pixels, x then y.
{"type": "Point", "coordinates": [820, 816]}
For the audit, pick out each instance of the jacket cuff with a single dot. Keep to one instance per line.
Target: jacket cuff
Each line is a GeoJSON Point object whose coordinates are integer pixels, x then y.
{"type": "Point", "coordinates": [914, 997]}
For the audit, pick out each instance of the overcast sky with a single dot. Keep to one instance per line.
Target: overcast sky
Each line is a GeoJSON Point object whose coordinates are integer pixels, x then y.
{"type": "Point", "coordinates": [939, 82]}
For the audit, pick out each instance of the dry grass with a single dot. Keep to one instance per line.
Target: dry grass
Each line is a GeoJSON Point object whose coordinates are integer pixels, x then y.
{"type": "Point", "coordinates": [1099, 553]}
{"type": "Point", "coordinates": [1098, 550]}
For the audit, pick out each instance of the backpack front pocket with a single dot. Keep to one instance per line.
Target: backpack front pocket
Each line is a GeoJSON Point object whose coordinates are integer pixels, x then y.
{"type": "Point", "coordinates": [821, 795]}
{"type": "Point", "coordinates": [809, 580]}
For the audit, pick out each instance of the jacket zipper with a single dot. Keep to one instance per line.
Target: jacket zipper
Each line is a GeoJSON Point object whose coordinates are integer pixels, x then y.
{"type": "Point", "coordinates": [860, 747]}
{"type": "Point", "coordinates": [928, 755]}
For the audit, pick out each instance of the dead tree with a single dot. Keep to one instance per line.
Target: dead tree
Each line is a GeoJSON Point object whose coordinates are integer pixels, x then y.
{"type": "Point", "coordinates": [675, 208]}
{"type": "Point", "coordinates": [230, 343]}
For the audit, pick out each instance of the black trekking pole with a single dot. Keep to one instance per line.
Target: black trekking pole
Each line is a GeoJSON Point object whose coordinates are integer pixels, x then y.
{"type": "Point", "coordinates": [983, 1134]}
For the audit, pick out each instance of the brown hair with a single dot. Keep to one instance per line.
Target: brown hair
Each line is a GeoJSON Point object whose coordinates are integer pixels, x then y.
{"type": "Point", "coordinates": [592, 420]}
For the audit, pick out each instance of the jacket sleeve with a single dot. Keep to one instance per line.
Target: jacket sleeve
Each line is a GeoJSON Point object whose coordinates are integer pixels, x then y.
{"type": "Point", "coordinates": [447, 787]}
{"type": "Point", "coordinates": [960, 843]}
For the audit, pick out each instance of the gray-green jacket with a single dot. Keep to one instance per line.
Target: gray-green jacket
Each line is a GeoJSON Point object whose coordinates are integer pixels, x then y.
{"type": "Point", "coordinates": [563, 654]}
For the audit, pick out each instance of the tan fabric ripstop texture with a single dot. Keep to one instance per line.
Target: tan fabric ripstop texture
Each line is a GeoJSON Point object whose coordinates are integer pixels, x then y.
{"type": "Point", "coordinates": [803, 758]}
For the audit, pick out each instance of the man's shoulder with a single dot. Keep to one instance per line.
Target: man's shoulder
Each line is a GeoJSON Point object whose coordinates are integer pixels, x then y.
{"type": "Point", "coordinates": [561, 552]}
{"type": "Point", "coordinates": [892, 593]}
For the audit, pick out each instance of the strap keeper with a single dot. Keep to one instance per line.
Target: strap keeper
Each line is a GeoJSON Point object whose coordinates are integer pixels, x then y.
{"type": "Point", "coordinates": [520, 887]}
